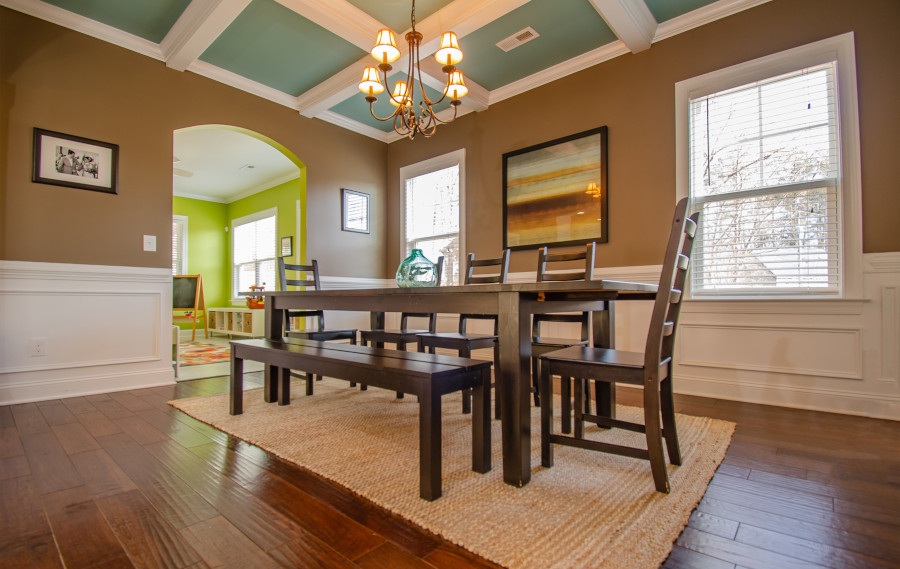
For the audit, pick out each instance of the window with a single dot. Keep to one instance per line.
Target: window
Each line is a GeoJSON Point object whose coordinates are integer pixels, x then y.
{"type": "Point", "coordinates": [766, 166]}
{"type": "Point", "coordinates": [431, 211]}
{"type": "Point", "coordinates": [254, 251]}
{"type": "Point", "coordinates": [179, 244]}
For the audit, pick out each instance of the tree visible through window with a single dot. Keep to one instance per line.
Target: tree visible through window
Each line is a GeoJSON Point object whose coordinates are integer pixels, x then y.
{"type": "Point", "coordinates": [765, 173]}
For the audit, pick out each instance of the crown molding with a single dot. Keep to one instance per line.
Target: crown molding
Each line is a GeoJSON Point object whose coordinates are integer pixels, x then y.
{"type": "Point", "coordinates": [267, 185]}
{"type": "Point", "coordinates": [631, 20]}
{"type": "Point", "coordinates": [93, 28]}
{"type": "Point", "coordinates": [215, 73]}
{"type": "Point", "coordinates": [704, 15]}
{"type": "Point", "coordinates": [356, 126]}
{"type": "Point", "coordinates": [339, 17]}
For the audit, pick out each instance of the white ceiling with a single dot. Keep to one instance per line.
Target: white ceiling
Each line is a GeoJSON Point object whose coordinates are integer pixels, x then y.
{"type": "Point", "coordinates": [226, 165]}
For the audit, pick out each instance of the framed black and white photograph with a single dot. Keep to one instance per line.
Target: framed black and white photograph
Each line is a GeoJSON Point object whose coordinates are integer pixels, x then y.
{"type": "Point", "coordinates": [354, 211]}
{"type": "Point", "coordinates": [287, 246]}
{"type": "Point", "coordinates": [74, 162]}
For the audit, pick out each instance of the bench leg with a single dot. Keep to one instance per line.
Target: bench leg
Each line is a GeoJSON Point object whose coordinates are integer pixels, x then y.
{"type": "Point", "coordinates": [430, 446]}
{"type": "Point", "coordinates": [284, 386]}
{"type": "Point", "coordinates": [236, 401]}
{"type": "Point", "coordinates": [481, 424]}
{"type": "Point", "coordinates": [309, 383]}
{"type": "Point", "coordinates": [270, 387]}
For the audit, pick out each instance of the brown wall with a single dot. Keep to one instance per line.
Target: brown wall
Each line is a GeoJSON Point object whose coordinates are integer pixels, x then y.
{"type": "Point", "coordinates": [635, 96]}
{"type": "Point", "coordinates": [61, 80]}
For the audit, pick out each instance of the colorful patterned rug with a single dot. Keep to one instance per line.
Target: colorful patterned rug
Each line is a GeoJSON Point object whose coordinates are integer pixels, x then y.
{"type": "Point", "coordinates": [196, 353]}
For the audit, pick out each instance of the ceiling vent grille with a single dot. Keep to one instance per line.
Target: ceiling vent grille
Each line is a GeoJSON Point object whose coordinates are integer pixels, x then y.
{"type": "Point", "coordinates": [517, 39]}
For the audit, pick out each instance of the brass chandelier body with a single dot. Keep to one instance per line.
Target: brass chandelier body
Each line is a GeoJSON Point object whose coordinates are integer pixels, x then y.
{"type": "Point", "coordinates": [411, 118]}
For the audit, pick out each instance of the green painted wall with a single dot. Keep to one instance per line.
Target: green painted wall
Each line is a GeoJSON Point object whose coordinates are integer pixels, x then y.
{"type": "Point", "coordinates": [209, 244]}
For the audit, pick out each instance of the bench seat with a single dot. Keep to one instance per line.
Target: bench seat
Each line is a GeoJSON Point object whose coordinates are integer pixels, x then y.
{"type": "Point", "coordinates": [428, 376]}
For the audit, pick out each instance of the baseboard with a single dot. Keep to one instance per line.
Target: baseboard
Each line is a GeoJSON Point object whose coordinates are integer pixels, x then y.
{"type": "Point", "coordinates": [36, 389]}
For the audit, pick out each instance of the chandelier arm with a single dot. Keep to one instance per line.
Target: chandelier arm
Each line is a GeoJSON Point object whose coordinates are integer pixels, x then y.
{"type": "Point", "coordinates": [451, 119]}
{"type": "Point", "coordinates": [376, 117]}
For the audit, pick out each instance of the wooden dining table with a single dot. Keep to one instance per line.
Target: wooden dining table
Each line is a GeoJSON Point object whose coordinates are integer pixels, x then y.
{"type": "Point", "coordinates": [513, 303]}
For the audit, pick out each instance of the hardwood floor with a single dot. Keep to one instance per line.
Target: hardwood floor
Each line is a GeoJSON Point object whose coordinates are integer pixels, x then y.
{"type": "Point", "coordinates": [123, 479]}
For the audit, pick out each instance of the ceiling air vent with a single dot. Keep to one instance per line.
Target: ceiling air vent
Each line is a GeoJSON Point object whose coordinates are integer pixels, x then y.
{"type": "Point", "coordinates": [517, 39]}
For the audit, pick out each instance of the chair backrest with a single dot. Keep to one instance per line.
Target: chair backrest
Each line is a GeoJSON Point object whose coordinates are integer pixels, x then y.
{"type": "Point", "coordinates": [667, 307]}
{"type": "Point", "coordinates": [586, 273]}
{"type": "Point", "coordinates": [311, 281]}
{"type": "Point", "coordinates": [471, 278]}
{"type": "Point", "coordinates": [431, 316]}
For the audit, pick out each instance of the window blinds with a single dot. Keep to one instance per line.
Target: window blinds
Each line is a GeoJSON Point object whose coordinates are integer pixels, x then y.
{"type": "Point", "coordinates": [432, 218]}
{"type": "Point", "coordinates": [179, 245]}
{"type": "Point", "coordinates": [254, 254]}
{"type": "Point", "coordinates": [765, 165]}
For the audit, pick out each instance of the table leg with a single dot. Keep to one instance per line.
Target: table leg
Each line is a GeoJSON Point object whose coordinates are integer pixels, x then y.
{"type": "Point", "coordinates": [236, 402]}
{"type": "Point", "coordinates": [604, 324]}
{"type": "Point", "coordinates": [274, 329]}
{"type": "Point", "coordinates": [514, 328]}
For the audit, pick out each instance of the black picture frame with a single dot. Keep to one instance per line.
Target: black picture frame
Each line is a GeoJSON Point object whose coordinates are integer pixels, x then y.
{"type": "Point", "coordinates": [71, 161]}
{"type": "Point", "coordinates": [548, 198]}
{"type": "Point", "coordinates": [354, 211]}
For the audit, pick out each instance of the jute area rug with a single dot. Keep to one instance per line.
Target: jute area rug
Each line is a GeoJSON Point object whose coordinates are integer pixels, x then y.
{"type": "Point", "coordinates": [589, 510]}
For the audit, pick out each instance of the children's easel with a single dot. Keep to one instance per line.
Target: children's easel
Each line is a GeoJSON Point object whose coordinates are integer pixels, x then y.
{"type": "Point", "coordinates": [187, 298]}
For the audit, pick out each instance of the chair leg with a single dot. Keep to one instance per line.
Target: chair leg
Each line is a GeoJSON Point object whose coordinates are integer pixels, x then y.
{"type": "Point", "coordinates": [654, 435]}
{"type": "Point", "coordinates": [578, 405]}
{"type": "Point", "coordinates": [565, 394]}
{"type": "Point", "coordinates": [535, 373]}
{"type": "Point", "coordinates": [466, 352]}
{"type": "Point", "coordinates": [546, 418]}
{"type": "Point", "coordinates": [670, 431]}
{"type": "Point", "coordinates": [400, 346]}
{"type": "Point", "coordinates": [497, 411]}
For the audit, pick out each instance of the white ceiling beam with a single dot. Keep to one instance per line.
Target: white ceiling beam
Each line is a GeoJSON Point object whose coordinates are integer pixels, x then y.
{"type": "Point", "coordinates": [197, 28]}
{"type": "Point", "coordinates": [339, 17]}
{"type": "Point", "coordinates": [461, 16]}
{"type": "Point", "coordinates": [631, 20]}
{"type": "Point", "coordinates": [434, 76]}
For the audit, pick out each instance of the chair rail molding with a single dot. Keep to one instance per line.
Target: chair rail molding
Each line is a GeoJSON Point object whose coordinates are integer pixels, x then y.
{"type": "Point", "coordinates": [102, 328]}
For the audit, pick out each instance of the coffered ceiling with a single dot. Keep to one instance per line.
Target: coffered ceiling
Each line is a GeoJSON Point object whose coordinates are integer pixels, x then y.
{"type": "Point", "coordinates": [309, 54]}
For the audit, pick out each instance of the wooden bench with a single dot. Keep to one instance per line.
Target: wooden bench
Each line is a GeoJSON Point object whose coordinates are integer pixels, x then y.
{"type": "Point", "coordinates": [427, 376]}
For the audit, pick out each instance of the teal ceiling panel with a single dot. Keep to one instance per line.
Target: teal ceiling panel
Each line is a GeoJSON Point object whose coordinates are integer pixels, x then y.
{"type": "Point", "coordinates": [566, 28]}
{"type": "Point", "coordinates": [664, 10]}
{"type": "Point", "coordinates": [148, 19]}
{"type": "Point", "coordinates": [395, 14]}
{"type": "Point", "coordinates": [357, 108]}
{"type": "Point", "coordinates": [277, 47]}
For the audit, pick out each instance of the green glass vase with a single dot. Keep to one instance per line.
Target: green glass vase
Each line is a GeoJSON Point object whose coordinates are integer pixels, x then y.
{"type": "Point", "coordinates": [416, 271]}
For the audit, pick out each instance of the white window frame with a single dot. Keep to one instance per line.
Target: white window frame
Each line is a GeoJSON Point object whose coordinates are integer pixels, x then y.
{"type": "Point", "coordinates": [271, 212]}
{"type": "Point", "coordinates": [457, 157]}
{"type": "Point", "coordinates": [183, 221]}
{"type": "Point", "coordinates": [839, 49]}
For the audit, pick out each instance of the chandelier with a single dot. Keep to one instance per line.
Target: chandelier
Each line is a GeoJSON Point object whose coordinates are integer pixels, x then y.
{"type": "Point", "coordinates": [411, 117]}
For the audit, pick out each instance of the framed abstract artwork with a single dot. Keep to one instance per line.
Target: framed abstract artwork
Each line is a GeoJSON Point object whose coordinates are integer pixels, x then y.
{"type": "Point", "coordinates": [555, 193]}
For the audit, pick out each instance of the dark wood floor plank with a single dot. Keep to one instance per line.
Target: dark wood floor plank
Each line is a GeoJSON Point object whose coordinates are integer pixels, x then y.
{"type": "Point", "coordinates": [109, 407]}
{"type": "Point", "coordinates": [785, 494]}
{"type": "Point", "coordinates": [681, 558]}
{"type": "Point", "coordinates": [734, 470]}
{"type": "Point", "coordinates": [29, 420]}
{"type": "Point", "coordinates": [10, 443]}
{"type": "Point", "coordinates": [888, 514]}
{"type": "Point", "coordinates": [739, 553]}
{"type": "Point", "coordinates": [310, 553]}
{"type": "Point", "coordinates": [78, 405]}
{"type": "Point", "coordinates": [6, 417]}
{"type": "Point", "coordinates": [261, 523]}
{"type": "Point", "coordinates": [56, 414]}
{"type": "Point", "coordinates": [174, 429]}
{"type": "Point", "coordinates": [101, 474]}
{"type": "Point", "coordinates": [82, 534]}
{"type": "Point", "coordinates": [13, 467]}
{"type": "Point", "coordinates": [98, 424]}
{"type": "Point", "coordinates": [150, 541]}
{"type": "Point", "coordinates": [449, 556]}
{"type": "Point", "coordinates": [221, 545]}
{"type": "Point", "coordinates": [709, 523]}
{"type": "Point", "coordinates": [168, 493]}
{"type": "Point", "coordinates": [389, 556]}
{"type": "Point", "coordinates": [812, 551]}
{"type": "Point", "coordinates": [52, 468]}
{"type": "Point", "coordinates": [334, 527]}
{"type": "Point", "coordinates": [26, 538]}
{"type": "Point", "coordinates": [130, 401]}
{"type": "Point", "coordinates": [140, 430]}
{"type": "Point", "coordinates": [74, 438]}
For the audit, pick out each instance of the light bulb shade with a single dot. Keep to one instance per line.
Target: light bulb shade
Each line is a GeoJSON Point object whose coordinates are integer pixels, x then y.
{"type": "Point", "coordinates": [593, 190]}
{"type": "Point", "coordinates": [456, 87]}
{"type": "Point", "coordinates": [385, 50]}
{"type": "Point", "coordinates": [371, 83]}
{"type": "Point", "coordinates": [400, 95]}
{"type": "Point", "coordinates": [449, 52]}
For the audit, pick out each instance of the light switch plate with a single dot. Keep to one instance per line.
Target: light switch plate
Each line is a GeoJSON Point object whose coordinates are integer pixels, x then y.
{"type": "Point", "coordinates": [150, 243]}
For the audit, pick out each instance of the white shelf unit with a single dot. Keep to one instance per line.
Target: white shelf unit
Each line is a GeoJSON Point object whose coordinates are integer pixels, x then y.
{"type": "Point", "coordinates": [237, 321]}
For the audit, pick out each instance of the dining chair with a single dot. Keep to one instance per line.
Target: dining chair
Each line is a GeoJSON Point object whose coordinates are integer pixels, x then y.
{"type": "Point", "coordinates": [320, 332]}
{"type": "Point", "coordinates": [464, 341]}
{"type": "Point", "coordinates": [651, 369]}
{"type": "Point", "coordinates": [403, 336]}
{"type": "Point", "coordinates": [542, 344]}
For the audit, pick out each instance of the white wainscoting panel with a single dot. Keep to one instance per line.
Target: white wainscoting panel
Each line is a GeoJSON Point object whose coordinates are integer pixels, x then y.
{"type": "Point", "coordinates": [103, 328]}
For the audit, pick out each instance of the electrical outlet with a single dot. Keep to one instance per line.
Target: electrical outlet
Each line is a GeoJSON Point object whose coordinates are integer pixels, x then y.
{"type": "Point", "coordinates": [37, 347]}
